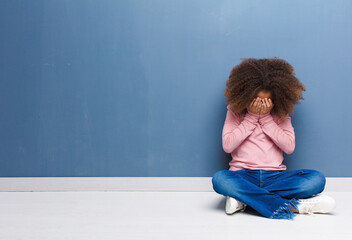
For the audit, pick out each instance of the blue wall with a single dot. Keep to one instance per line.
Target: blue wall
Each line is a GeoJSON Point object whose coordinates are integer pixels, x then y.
{"type": "Point", "coordinates": [136, 88]}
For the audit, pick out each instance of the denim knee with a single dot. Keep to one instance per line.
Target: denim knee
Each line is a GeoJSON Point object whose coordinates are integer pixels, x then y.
{"type": "Point", "coordinates": [316, 182]}
{"type": "Point", "coordinates": [320, 181]}
{"type": "Point", "coordinates": [216, 179]}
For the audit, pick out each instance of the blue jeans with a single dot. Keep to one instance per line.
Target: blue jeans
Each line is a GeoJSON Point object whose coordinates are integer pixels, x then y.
{"type": "Point", "coordinates": [269, 192]}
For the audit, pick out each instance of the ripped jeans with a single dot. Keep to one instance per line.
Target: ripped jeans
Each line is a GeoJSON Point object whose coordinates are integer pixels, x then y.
{"type": "Point", "coordinates": [269, 192]}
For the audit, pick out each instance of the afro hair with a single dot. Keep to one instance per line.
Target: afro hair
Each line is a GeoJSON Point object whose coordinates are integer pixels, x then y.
{"type": "Point", "coordinates": [272, 75]}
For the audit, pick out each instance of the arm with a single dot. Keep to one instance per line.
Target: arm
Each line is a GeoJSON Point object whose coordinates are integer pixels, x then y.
{"type": "Point", "coordinates": [283, 135]}
{"type": "Point", "coordinates": [235, 132]}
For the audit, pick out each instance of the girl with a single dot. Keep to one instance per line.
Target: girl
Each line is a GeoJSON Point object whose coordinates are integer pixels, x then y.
{"type": "Point", "coordinates": [260, 93]}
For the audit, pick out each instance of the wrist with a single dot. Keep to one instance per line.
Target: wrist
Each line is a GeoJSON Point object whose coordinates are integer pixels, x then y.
{"type": "Point", "coordinates": [253, 114]}
{"type": "Point", "coordinates": [252, 117]}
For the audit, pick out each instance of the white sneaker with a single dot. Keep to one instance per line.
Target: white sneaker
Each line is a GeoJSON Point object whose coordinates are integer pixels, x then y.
{"type": "Point", "coordinates": [233, 205]}
{"type": "Point", "coordinates": [316, 204]}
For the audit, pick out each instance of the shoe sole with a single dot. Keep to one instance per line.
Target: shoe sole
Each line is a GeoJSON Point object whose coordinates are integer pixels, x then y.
{"type": "Point", "coordinates": [237, 210]}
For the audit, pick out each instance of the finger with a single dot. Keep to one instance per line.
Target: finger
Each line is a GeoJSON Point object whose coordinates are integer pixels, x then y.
{"type": "Point", "coordinates": [262, 102]}
{"type": "Point", "coordinates": [259, 103]}
{"type": "Point", "coordinates": [267, 103]}
{"type": "Point", "coordinates": [256, 106]}
{"type": "Point", "coordinates": [251, 104]}
{"type": "Point", "coordinates": [255, 102]}
{"type": "Point", "coordinates": [263, 108]}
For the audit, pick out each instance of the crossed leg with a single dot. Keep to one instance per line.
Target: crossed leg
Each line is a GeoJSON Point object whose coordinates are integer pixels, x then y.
{"type": "Point", "coordinates": [238, 185]}
{"type": "Point", "coordinates": [297, 184]}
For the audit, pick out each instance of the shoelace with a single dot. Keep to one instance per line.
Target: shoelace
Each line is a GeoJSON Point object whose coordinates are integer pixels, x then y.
{"type": "Point", "coordinates": [307, 205]}
{"type": "Point", "coordinates": [307, 209]}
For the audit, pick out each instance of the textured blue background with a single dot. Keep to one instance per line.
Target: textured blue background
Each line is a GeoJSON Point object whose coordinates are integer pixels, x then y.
{"type": "Point", "coordinates": [135, 88]}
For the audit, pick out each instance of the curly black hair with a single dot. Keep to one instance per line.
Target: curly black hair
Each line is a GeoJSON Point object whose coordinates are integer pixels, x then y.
{"type": "Point", "coordinates": [272, 75]}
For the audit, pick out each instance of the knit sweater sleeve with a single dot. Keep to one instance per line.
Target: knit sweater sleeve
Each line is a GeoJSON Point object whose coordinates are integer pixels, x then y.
{"type": "Point", "coordinates": [235, 132]}
{"type": "Point", "coordinates": [281, 134]}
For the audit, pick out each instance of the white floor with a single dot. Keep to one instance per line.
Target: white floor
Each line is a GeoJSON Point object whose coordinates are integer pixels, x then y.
{"type": "Point", "coordinates": [156, 215]}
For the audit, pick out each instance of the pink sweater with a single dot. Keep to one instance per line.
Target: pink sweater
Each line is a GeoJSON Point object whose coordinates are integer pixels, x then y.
{"type": "Point", "coordinates": [257, 141]}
